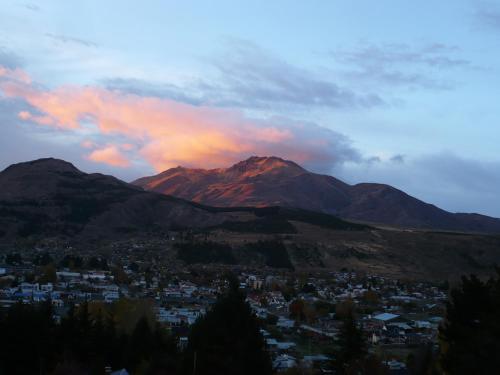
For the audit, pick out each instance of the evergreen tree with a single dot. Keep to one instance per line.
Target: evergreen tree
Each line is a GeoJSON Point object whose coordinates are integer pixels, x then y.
{"type": "Point", "coordinates": [227, 340]}
{"type": "Point", "coordinates": [140, 343]}
{"type": "Point", "coordinates": [470, 336]}
{"type": "Point", "coordinates": [351, 347]}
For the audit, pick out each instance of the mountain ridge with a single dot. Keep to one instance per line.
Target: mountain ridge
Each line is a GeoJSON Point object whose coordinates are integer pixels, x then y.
{"type": "Point", "coordinates": [49, 196]}
{"type": "Point", "coordinates": [272, 181]}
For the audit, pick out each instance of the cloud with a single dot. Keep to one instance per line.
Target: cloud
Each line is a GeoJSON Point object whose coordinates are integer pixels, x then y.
{"type": "Point", "coordinates": [186, 94]}
{"type": "Point", "coordinates": [401, 64]}
{"type": "Point", "coordinates": [399, 158]}
{"type": "Point", "coordinates": [9, 60]}
{"type": "Point", "coordinates": [32, 7]}
{"type": "Point", "coordinates": [71, 40]}
{"type": "Point", "coordinates": [454, 182]}
{"type": "Point", "coordinates": [488, 15]}
{"type": "Point", "coordinates": [167, 133]}
{"type": "Point", "coordinates": [246, 76]}
{"type": "Point", "coordinates": [251, 77]}
{"type": "Point", "coordinates": [109, 155]}
{"type": "Point", "coordinates": [433, 55]}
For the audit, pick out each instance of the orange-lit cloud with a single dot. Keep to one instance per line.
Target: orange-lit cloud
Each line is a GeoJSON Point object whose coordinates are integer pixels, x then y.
{"type": "Point", "coordinates": [166, 133]}
{"type": "Point", "coordinates": [109, 155]}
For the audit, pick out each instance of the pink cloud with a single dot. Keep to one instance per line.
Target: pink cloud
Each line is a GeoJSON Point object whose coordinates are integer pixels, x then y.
{"type": "Point", "coordinates": [15, 75]}
{"type": "Point", "coordinates": [166, 133]}
{"type": "Point", "coordinates": [88, 144]}
{"type": "Point", "coordinates": [109, 155]}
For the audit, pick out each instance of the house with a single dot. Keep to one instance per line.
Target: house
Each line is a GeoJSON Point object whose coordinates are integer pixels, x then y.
{"type": "Point", "coordinates": [27, 288]}
{"type": "Point", "coordinates": [284, 362]}
{"type": "Point", "coordinates": [111, 296]}
{"type": "Point", "coordinates": [314, 360]}
{"type": "Point", "coordinates": [285, 323]}
{"type": "Point", "coordinates": [422, 324]}
{"type": "Point", "coordinates": [178, 316]}
{"type": "Point", "coordinates": [68, 275]}
{"type": "Point", "coordinates": [396, 367]}
{"type": "Point", "coordinates": [275, 345]}
{"type": "Point", "coordinates": [385, 317]}
{"type": "Point", "coordinates": [317, 331]}
{"type": "Point", "coordinates": [284, 346]}
{"type": "Point", "coordinates": [47, 287]}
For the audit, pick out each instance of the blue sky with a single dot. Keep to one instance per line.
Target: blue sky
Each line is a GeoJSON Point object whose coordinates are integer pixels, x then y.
{"type": "Point", "coordinates": [404, 93]}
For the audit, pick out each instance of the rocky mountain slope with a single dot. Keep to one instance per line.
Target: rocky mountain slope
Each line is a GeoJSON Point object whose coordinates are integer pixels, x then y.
{"type": "Point", "coordinates": [271, 181]}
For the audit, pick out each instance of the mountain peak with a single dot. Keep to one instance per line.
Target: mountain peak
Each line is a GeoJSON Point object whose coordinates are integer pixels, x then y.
{"type": "Point", "coordinates": [44, 164]}
{"type": "Point", "coordinates": [265, 164]}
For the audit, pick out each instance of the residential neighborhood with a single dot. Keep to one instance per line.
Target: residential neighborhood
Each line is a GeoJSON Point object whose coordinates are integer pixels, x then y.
{"type": "Point", "coordinates": [300, 313]}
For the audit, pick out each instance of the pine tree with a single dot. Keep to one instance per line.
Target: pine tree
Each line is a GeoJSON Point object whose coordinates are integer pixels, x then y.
{"type": "Point", "coordinates": [470, 336]}
{"type": "Point", "coordinates": [351, 346]}
{"type": "Point", "coordinates": [227, 340]}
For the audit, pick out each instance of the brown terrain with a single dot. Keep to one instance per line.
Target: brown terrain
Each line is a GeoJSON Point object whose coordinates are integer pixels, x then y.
{"type": "Point", "coordinates": [271, 181]}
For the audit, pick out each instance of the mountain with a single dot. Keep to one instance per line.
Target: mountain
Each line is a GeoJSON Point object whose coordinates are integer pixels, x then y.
{"type": "Point", "coordinates": [272, 181]}
{"type": "Point", "coordinates": [51, 197]}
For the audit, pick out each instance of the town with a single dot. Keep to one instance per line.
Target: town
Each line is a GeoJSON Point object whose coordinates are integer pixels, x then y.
{"type": "Point", "coordinates": [300, 312]}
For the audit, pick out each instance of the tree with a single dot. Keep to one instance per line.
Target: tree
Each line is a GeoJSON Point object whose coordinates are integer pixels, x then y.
{"type": "Point", "coordinates": [49, 274]}
{"type": "Point", "coordinates": [120, 276]}
{"type": "Point", "coordinates": [422, 361]}
{"type": "Point", "coordinates": [14, 259]}
{"type": "Point", "coordinates": [470, 335]}
{"type": "Point", "coordinates": [42, 259]}
{"type": "Point", "coordinates": [84, 343]}
{"type": "Point", "coordinates": [227, 340]}
{"type": "Point", "coordinates": [351, 347]}
{"type": "Point", "coordinates": [97, 263]}
{"type": "Point", "coordinates": [297, 310]}
{"type": "Point", "coordinates": [371, 297]}
{"type": "Point", "coordinates": [344, 309]}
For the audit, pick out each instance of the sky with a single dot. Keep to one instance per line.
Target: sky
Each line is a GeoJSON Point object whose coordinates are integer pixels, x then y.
{"type": "Point", "coordinates": [397, 92]}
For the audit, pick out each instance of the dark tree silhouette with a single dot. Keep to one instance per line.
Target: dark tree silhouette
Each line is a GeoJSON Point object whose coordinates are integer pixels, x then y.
{"type": "Point", "coordinates": [351, 347]}
{"type": "Point", "coordinates": [227, 340]}
{"type": "Point", "coordinates": [470, 336]}
{"type": "Point", "coordinates": [84, 343]}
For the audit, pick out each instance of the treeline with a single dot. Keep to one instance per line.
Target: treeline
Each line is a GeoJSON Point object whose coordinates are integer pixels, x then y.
{"type": "Point", "coordinates": [92, 337]}
{"type": "Point", "coordinates": [273, 253]}
{"type": "Point", "coordinates": [68, 261]}
{"type": "Point", "coordinates": [83, 342]}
